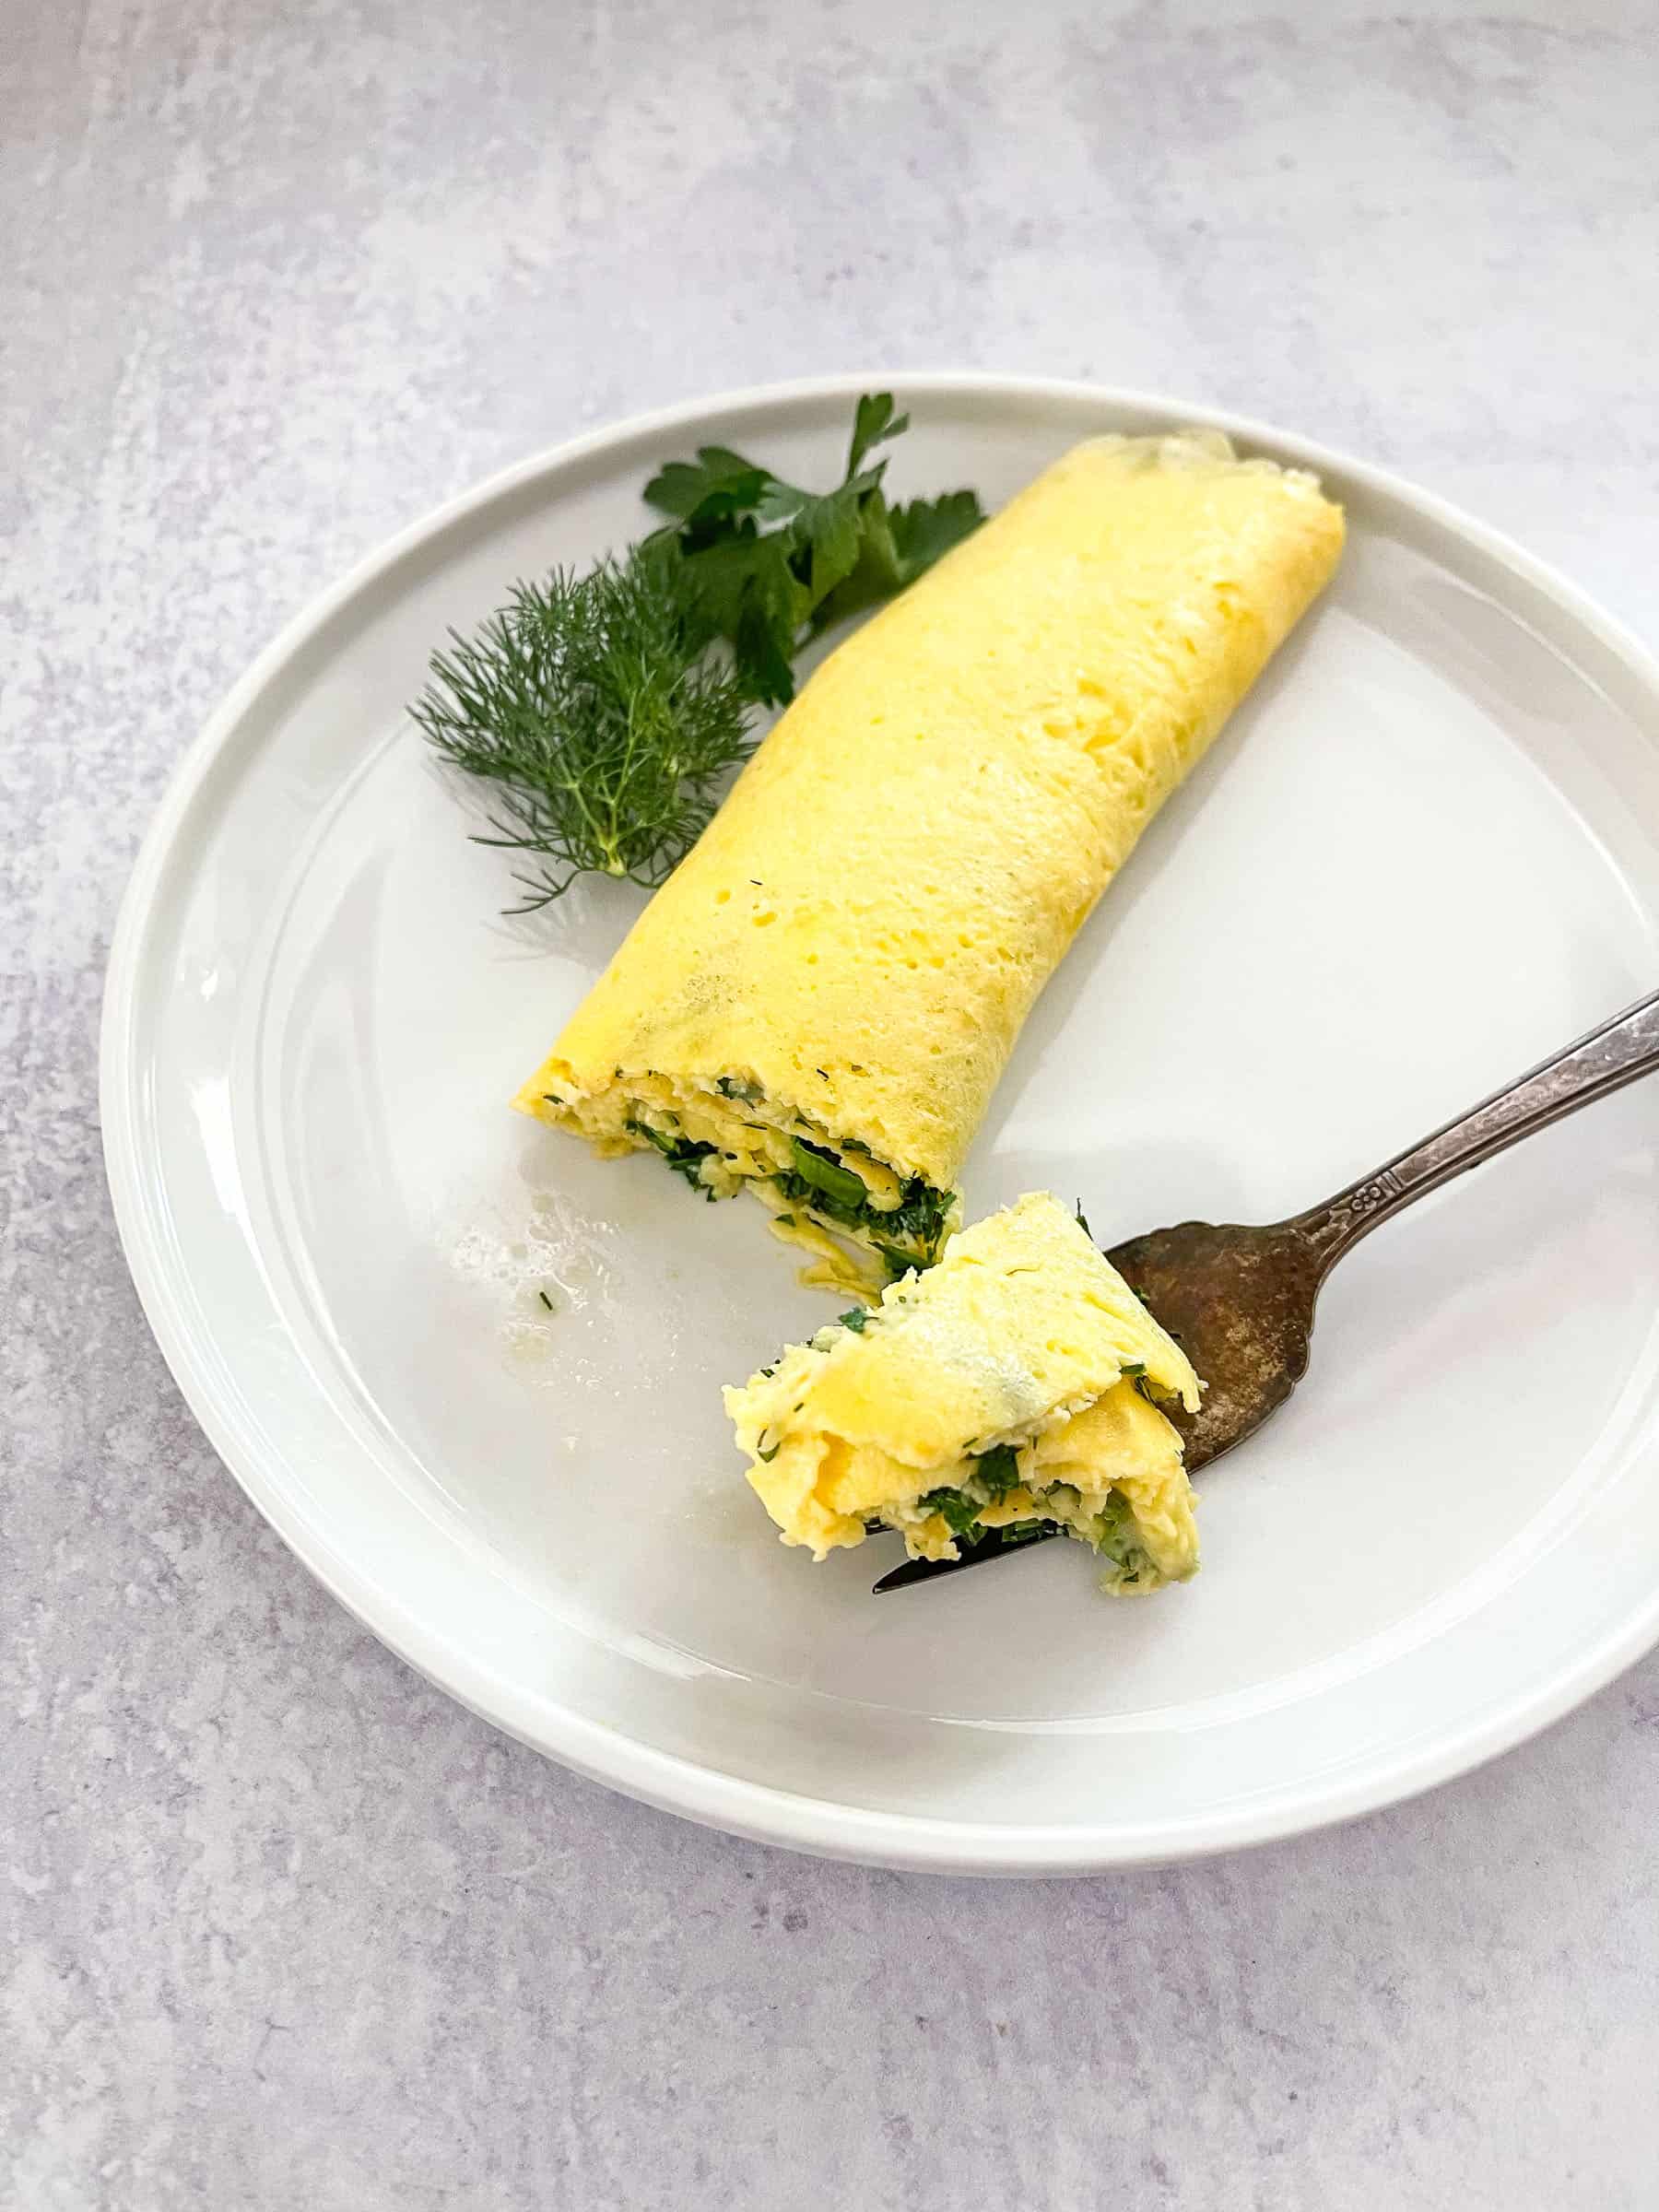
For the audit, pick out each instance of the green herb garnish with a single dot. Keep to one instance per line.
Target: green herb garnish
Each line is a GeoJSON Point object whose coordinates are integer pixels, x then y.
{"type": "Point", "coordinates": [767, 566]}
{"type": "Point", "coordinates": [603, 729]}
{"type": "Point", "coordinates": [856, 1321]}
{"type": "Point", "coordinates": [768, 1456]}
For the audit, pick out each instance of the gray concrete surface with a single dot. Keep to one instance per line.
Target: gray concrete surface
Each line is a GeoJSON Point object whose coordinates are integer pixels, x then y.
{"type": "Point", "coordinates": [281, 1927]}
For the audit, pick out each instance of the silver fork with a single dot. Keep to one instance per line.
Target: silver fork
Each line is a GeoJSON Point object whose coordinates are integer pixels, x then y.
{"type": "Point", "coordinates": [1240, 1300]}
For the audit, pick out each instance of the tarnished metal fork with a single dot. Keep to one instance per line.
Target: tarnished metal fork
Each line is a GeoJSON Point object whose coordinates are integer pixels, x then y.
{"type": "Point", "coordinates": [1240, 1300]}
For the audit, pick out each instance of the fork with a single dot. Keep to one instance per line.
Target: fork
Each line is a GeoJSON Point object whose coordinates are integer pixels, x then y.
{"type": "Point", "coordinates": [1240, 1302]}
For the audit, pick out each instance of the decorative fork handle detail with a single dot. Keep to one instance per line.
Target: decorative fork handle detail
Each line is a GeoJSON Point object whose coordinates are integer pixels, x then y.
{"type": "Point", "coordinates": [1617, 1052]}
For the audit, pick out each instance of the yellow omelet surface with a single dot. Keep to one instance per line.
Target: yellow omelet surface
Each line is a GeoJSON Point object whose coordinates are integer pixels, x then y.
{"type": "Point", "coordinates": [1022, 1337]}
{"type": "Point", "coordinates": [847, 955]}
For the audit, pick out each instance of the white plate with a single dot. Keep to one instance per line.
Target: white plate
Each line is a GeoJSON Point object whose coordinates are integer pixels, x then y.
{"type": "Point", "coordinates": [1426, 853]}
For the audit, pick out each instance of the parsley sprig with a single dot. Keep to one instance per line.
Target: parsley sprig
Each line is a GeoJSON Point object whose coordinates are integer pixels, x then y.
{"type": "Point", "coordinates": [768, 566]}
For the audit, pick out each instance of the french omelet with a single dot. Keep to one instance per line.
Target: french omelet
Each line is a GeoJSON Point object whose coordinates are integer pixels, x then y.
{"type": "Point", "coordinates": [1013, 1384]}
{"type": "Point", "coordinates": [820, 1001]}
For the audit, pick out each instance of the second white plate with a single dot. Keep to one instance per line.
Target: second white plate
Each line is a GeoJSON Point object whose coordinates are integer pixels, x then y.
{"type": "Point", "coordinates": [1426, 853]}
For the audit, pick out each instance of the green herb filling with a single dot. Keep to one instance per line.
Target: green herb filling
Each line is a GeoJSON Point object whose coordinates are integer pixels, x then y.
{"type": "Point", "coordinates": [1112, 1532]}
{"type": "Point", "coordinates": [684, 1156]}
{"type": "Point", "coordinates": [819, 1184]}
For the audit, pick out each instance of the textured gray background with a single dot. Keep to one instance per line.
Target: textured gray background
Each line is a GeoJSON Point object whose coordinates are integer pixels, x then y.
{"type": "Point", "coordinates": [283, 1927]}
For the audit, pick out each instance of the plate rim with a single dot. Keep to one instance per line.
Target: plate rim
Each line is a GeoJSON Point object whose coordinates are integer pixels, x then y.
{"type": "Point", "coordinates": [760, 1811]}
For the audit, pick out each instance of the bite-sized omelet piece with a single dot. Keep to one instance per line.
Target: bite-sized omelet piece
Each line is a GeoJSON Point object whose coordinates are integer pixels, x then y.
{"type": "Point", "coordinates": [818, 1002]}
{"type": "Point", "coordinates": [1013, 1384]}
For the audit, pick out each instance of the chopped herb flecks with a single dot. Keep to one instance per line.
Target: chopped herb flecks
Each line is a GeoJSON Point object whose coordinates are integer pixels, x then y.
{"type": "Point", "coordinates": [955, 1507]}
{"type": "Point", "coordinates": [999, 1469]}
{"type": "Point", "coordinates": [682, 1153]}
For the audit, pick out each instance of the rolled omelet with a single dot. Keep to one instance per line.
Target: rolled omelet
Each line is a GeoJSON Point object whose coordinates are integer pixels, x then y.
{"type": "Point", "coordinates": [820, 1001]}
{"type": "Point", "coordinates": [1011, 1386]}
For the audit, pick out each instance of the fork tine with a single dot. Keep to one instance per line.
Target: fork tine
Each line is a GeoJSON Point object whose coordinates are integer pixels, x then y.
{"type": "Point", "coordinates": [978, 1554]}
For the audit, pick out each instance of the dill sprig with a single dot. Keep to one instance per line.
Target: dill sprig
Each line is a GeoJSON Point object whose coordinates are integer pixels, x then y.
{"type": "Point", "coordinates": [601, 720]}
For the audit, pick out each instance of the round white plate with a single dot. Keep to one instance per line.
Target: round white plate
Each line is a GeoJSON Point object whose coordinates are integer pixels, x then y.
{"type": "Point", "coordinates": [1424, 854]}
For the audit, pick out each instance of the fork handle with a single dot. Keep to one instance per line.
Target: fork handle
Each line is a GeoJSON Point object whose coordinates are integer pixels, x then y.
{"type": "Point", "coordinates": [1617, 1053]}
